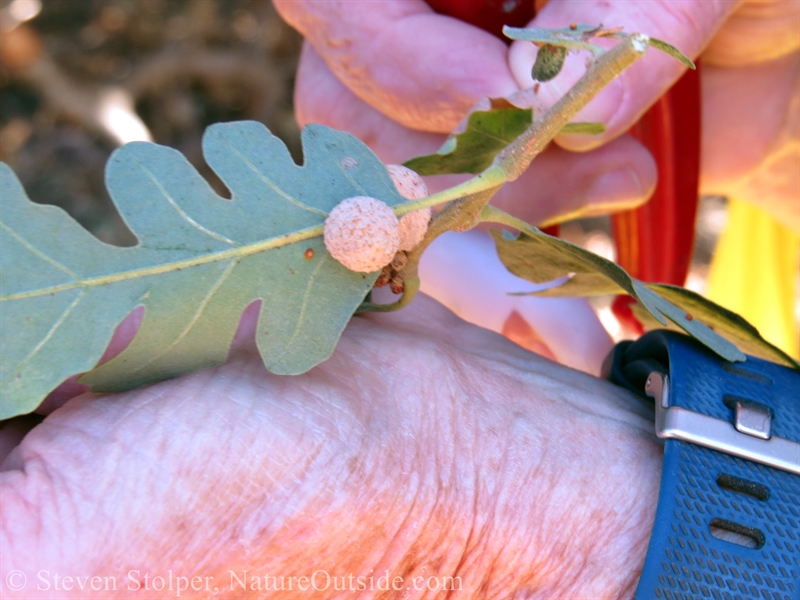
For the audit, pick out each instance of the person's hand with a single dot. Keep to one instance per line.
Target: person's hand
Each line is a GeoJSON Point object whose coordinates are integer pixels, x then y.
{"type": "Point", "coordinates": [425, 447]}
{"type": "Point", "coordinates": [463, 272]}
{"type": "Point", "coordinates": [397, 76]}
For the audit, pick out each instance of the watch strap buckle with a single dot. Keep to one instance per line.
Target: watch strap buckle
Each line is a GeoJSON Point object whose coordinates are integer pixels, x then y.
{"type": "Point", "coordinates": [745, 437]}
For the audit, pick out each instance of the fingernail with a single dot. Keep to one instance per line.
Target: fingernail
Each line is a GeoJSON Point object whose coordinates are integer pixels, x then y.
{"type": "Point", "coordinates": [615, 190]}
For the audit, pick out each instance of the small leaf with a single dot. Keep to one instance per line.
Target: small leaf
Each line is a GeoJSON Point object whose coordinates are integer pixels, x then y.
{"type": "Point", "coordinates": [199, 262]}
{"type": "Point", "coordinates": [541, 35]}
{"type": "Point", "coordinates": [472, 150]}
{"type": "Point", "coordinates": [721, 320]}
{"type": "Point", "coordinates": [583, 129]}
{"type": "Point", "coordinates": [549, 62]}
{"type": "Point", "coordinates": [672, 51]}
{"type": "Point", "coordinates": [540, 258]}
{"type": "Point", "coordinates": [574, 37]}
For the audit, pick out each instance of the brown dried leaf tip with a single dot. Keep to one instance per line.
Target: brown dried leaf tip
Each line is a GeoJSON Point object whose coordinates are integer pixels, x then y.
{"type": "Point", "coordinates": [362, 233]}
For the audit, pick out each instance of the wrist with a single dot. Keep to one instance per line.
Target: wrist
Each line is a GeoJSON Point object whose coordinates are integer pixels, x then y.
{"type": "Point", "coordinates": [556, 499]}
{"type": "Point", "coordinates": [543, 483]}
{"type": "Point", "coordinates": [577, 523]}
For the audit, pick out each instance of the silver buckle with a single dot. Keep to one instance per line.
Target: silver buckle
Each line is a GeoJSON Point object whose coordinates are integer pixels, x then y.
{"type": "Point", "coordinates": [748, 438]}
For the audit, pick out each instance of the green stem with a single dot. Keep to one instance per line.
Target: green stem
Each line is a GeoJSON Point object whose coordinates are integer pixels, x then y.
{"type": "Point", "coordinates": [411, 287]}
{"type": "Point", "coordinates": [473, 196]}
{"type": "Point", "coordinates": [513, 160]}
{"type": "Point", "coordinates": [492, 214]}
{"type": "Point", "coordinates": [491, 178]}
{"type": "Point", "coordinates": [462, 214]}
{"type": "Point", "coordinates": [516, 157]}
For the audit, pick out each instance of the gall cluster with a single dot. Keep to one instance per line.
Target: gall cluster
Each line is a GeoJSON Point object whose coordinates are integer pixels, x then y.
{"type": "Point", "coordinates": [364, 234]}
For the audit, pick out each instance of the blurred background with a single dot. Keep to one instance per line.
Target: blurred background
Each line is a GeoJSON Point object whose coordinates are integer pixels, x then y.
{"type": "Point", "coordinates": [78, 78]}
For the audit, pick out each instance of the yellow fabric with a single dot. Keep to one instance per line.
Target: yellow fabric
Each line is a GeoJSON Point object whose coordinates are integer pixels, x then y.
{"type": "Point", "coordinates": [754, 273]}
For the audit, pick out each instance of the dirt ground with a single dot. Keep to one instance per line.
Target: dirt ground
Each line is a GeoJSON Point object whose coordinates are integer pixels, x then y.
{"type": "Point", "coordinates": [177, 65]}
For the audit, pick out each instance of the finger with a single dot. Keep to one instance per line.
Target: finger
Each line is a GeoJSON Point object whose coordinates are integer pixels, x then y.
{"type": "Point", "coordinates": [759, 104]}
{"type": "Point", "coordinates": [463, 272]}
{"type": "Point", "coordinates": [319, 97]}
{"type": "Point", "coordinates": [557, 185]}
{"type": "Point", "coordinates": [70, 388]}
{"type": "Point", "coordinates": [758, 31]}
{"type": "Point", "coordinates": [561, 185]}
{"type": "Point", "coordinates": [687, 25]}
{"type": "Point", "coordinates": [422, 69]}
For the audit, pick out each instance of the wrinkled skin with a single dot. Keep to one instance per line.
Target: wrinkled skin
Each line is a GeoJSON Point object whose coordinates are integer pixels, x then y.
{"type": "Point", "coordinates": [425, 446]}
{"type": "Point", "coordinates": [398, 76]}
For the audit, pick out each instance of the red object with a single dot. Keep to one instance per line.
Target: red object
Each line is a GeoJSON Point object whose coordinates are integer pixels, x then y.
{"type": "Point", "coordinates": [655, 241]}
{"type": "Point", "coordinates": [553, 230]}
{"type": "Point", "coordinates": [622, 310]}
{"type": "Point", "coordinates": [489, 15]}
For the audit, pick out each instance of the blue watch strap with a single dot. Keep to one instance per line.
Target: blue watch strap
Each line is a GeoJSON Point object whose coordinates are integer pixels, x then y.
{"type": "Point", "coordinates": [726, 526]}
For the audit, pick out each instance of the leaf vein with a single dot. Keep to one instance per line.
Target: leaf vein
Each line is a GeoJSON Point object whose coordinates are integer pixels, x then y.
{"type": "Point", "coordinates": [494, 137]}
{"type": "Point", "coordinates": [46, 338]}
{"type": "Point", "coordinates": [347, 174]}
{"type": "Point", "coordinates": [196, 317]}
{"type": "Point", "coordinates": [181, 212]}
{"type": "Point", "coordinates": [301, 317]}
{"type": "Point", "coordinates": [274, 187]}
{"type": "Point", "coordinates": [239, 251]}
{"type": "Point", "coordinates": [38, 252]}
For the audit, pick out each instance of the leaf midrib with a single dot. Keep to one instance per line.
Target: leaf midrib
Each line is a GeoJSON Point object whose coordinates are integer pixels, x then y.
{"type": "Point", "coordinates": [238, 252]}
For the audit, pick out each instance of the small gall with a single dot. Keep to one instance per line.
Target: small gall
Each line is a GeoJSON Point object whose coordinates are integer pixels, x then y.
{"type": "Point", "coordinates": [309, 253]}
{"type": "Point", "coordinates": [399, 261]}
{"type": "Point", "coordinates": [362, 233]}
{"type": "Point", "coordinates": [411, 186]}
{"type": "Point", "coordinates": [385, 277]}
{"type": "Point", "coordinates": [397, 285]}
{"type": "Point", "coordinates": [689, 317]}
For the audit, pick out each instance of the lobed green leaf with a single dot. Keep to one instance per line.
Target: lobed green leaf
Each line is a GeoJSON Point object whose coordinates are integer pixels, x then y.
{"type": "Point", "coordinates": [720, 319]}
{"type": "Point", "coordinates": [575, 37]}
{"type": "Point", "coordinates": [200, 261]}
{"type": "Point", "coordinates": [541, 35]}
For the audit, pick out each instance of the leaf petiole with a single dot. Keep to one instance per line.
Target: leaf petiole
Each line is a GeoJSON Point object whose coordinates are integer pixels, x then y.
{"type": "Point", "coordinates": [492, 214]}
{"type": "Point", "coordinates": [565, 38]}
{"type": "Point", "coordinates": [492, 177]}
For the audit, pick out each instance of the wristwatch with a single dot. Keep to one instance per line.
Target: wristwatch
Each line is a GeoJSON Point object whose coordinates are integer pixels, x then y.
{"type": "Point", "coordinates": [727, 523]}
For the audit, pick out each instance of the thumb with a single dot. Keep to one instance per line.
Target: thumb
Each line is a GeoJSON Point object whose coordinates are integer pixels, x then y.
{"type": "Point", "coordinates": [688, 25]}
